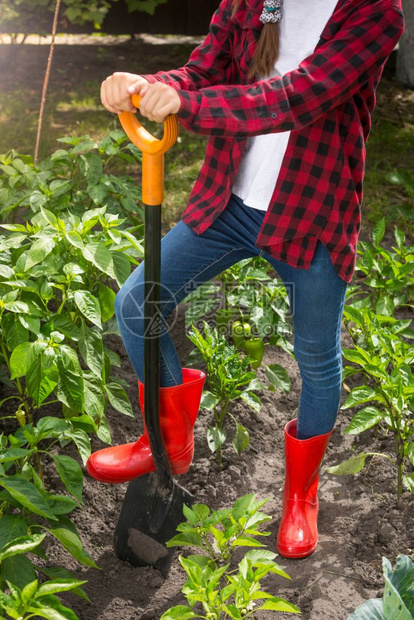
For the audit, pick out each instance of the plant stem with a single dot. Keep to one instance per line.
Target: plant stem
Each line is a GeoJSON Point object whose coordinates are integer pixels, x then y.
{"type": "Point", "coordinates": [39, 467]}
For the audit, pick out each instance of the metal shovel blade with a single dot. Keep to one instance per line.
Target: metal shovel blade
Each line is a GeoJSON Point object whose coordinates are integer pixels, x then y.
{"type": "Point", "coordinates": [149, 518]}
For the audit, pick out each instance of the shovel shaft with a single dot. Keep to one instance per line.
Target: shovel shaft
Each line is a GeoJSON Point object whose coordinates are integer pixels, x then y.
{"type": "Point", "coordinates": [152, 325]}
{"type": "Point", "coordinates": [153, 151]}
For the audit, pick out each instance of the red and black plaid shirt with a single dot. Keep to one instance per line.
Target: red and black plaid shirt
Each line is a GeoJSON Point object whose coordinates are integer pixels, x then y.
{"type": "Point", "coordinates": [326, 103]}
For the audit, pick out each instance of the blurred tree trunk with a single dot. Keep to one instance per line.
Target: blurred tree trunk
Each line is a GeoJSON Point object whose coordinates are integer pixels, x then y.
{"type": "Point", "coordinates": [405, 55]}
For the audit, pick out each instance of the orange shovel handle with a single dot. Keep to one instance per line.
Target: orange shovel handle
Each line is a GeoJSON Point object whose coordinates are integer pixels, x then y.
{"type": "Point", "coordinates": [152, 151]}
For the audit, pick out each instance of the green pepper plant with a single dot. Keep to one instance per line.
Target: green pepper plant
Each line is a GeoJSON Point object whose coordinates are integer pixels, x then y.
{"type": "Point", "coordinates": [245, 293]}
{"type": "Point", "coordinates": [78, 178]}
{"type": "Point", "coordinates": [229, 379]}
{"type": "Point", "coordinates": [38, 600]}
{"type": "Point", "coordinates": [57, 279]}
{"type": "Point", "coordinates": [385, 360]}
{"type": "Point", "coordinates": [215, 588]}
{"type": "Point", "coordinates": [398, 600]}
{"type": "Point", "coordinates": [30, 514]}
{"type": "Point", "coordinates": [389, 275]}
{"type": "Point", "coordinates": [59, 272]}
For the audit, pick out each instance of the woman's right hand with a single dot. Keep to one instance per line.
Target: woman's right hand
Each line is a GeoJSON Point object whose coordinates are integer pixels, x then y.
{"type": "Point", "coordinates": [117, 89]}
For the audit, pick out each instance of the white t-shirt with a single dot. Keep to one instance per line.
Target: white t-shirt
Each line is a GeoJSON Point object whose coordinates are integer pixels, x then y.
{"type": "Point", "coordinates": [300, 28]}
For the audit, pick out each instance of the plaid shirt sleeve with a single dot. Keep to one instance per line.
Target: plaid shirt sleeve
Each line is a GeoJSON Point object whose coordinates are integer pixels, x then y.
{"type": "Point", "coordinates": [209, 63]}
{"type": "Point", "coordinates": [325, 79]}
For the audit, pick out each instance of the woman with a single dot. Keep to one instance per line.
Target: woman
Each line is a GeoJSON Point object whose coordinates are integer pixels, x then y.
{"type": "Point", "coordinates": [286, 91]}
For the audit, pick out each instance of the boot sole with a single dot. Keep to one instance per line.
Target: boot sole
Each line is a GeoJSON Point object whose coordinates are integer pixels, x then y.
{"type": "Point", "coordinates": [294, 554]}
{"type": "Point", "coordinates": [97, 475]}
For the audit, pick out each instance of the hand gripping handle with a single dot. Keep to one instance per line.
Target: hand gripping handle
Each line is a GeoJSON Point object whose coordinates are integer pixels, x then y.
{"type": "Point", "coordinates": [152, 151]}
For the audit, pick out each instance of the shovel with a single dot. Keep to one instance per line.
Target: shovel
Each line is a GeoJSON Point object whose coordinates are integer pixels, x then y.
{"type": "Point", "coordinates": [153, 504]}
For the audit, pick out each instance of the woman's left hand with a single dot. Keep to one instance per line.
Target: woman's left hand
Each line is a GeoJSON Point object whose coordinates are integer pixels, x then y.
{"type": "Point", "coordinates": [159, 100]}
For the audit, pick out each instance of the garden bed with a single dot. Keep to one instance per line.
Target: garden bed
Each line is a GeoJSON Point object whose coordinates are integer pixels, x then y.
{"type": "Point", "coordinates": [359, 518]}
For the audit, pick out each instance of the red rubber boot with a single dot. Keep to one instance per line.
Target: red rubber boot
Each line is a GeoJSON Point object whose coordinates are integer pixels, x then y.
{"type": "Point", "coordinates": [298, 530]}
{"type": "Point", "coordinates": [178, 409]}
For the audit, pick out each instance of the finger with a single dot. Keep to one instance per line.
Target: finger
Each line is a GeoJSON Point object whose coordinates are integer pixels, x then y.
{"type": "Point", "coordinates": [162, 113]}
{"type": "Point", "coordinates": [139, 88]}
{"type": "Point", "coordinates": [107, 105]}
{"type": "Point", "coordinates": [149, 102]}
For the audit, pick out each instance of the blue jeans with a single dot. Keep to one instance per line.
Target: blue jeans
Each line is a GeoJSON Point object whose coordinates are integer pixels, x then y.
{"type": "Point", "coordinates": [189, 260]}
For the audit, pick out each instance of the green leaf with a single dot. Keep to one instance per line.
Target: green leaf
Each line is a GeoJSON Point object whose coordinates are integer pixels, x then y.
{"type": "Point", "coordinates": [208, 399]}
{"type": "Point", "coordinates": [91, 348]}
{"type": "Point", "coordinates": [94, 397]}
{"type": "Point", "coordinates": [42, 375]}
{"type": "Point", "coordinates": [29, 590]}
{"type": "Point", "coordinates": [398, 584]}
{"type": "Point", "coordinates": [90, 165]}
{"type": "Point", "coordinates": [192, 569]}
{"type": "Point", "coordinates": [356, 355]}
{"type": "Point", "coordinates": [65, 325]}
{"type": "Point", "coordinates": [61, 504]}
{"type": "Point", "coordinates": [352, 465]}
{"type": "Point", "coordinates": [409, 451]}
{"type": "Point", "coordinates": [122, 267]}
{"type": "Point", "coordinates": [408, 482]}
{"type": "Point", "coordinates": [360, 395]}
{"type": "Point", "coordinates": [11, 527]}
{"type": "Point", "coordinates": [99, 255]}
{"type": "Point", "coordinates": [365, 418]}
{"type": "Point", "coordinates": [65, 531]}
{"type": "Point", "coordinates": [13, 454]}
{"type": "Point", "coordinates": [19, 360]}
{"type": "Point", "coordinates": [89, 306]}
{"type": "Point", "coordinates": [38, 251]}
{"type": "Point", "coordinates": [201, 510]}
{"type": "Point", "coordinates": [378, 231]}
{"type": "Point", "coordinates": [215, 437]}
{"type": "Point", "coordinates": [70, 473]}
{"type": "Point", "coordinates": [244, 505]}
{"type": "Point", "coordinates": [180, 612]}
{"type": "Point", "coordinates": [241, 439]}
{"type": "Point", "coordinates": [57, 572]}
{"type": "Point", "coordinates": [119, 399]}
{"type": "Point", "coordinates": [252, 400]}
{"type": "Point", "coordinates": [278, 377]}
{"type": "Point", "coordinates": [247, 541]}
{"type": "Point", "coordinates": [186, 539]}
{"type": "Point", "coordinates": [106, 298]}
{"type": "Point", "coordinates": [70, 387]}
{"type": "Point", "coordinates": [401, 580]}
{"type": "Point", "coordinates": [190, 515]}
{"type": "Point", "coordinates": [27, 495]}
{"type": "Point", "coordinates": [233, 612]}
{"type": "Point", "coordinates": [58, 585]}
{"type": "Point", "coordinates": [371, 610]}
{"type": "Point", "coordinates": [20, 545]}
{"type": "Point", "coordinates": [49, 607]}
{"type": "Point", "coordinates": [75, 239]}
{"type": "Point", "coordinates": [255, 384]}
{"type": "Point", "coordinates": [384, 305]}
{"type": "Point", "coordinates": [18, 570]}
{"type": "Point", "coordinates": [279, 604]}
{"type": "Point", "coordinates": [82, 442]}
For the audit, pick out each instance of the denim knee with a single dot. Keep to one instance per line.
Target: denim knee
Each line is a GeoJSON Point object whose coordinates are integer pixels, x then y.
{"type": "Point", "coordinates": [129, 310]}
{"type": "Point", "coordinates": [322, 370]}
